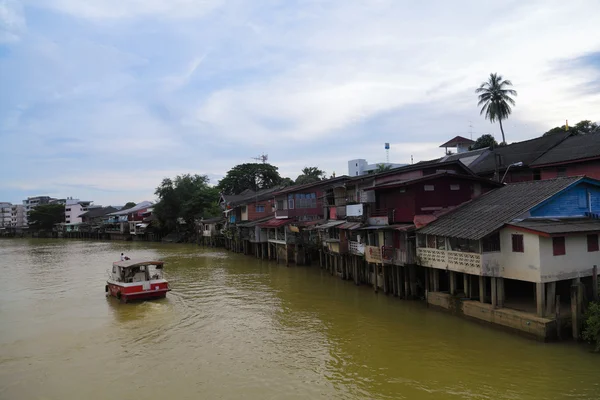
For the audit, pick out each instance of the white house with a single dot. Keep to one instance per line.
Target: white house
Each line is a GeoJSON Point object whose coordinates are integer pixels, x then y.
{"type": "Point", "coordinates": [524, 238]}
{"type": "Point", "coordinates": [74, 208]}
{"type": "Point", "coordinates": [5, 214]}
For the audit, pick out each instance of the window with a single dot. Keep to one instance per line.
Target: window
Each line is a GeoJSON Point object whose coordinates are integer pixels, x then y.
{"type": "Point", "coordinates": [558, 246]}
{"type": "Point", "coordinates": [491, 243]}
{"type": "Point", "coordinates": [592, 242]}
{"type": "Point", "coordinates": [441, 242]}
{"type": "Point", "coordinates": [260, 208]}
{"type": "Point", "coordinates": [431, 242]}
{"type": "Point", "coordinates": [67, 209]}
{"type": "Point", "coordinates": [464, 245]}
{"type": "Point", "coordinates": [455, 187]}
{"type": "Point", "coordinates": [428, 188]}
{"type": "Point", "coordinates": [517, 244]}
{"type": "Point", "coordinates": [421, 242]}
{"type": "Point", "coordinates": [280, 204]}
{"type": "Point", "coordinates": [290, 202]}
{"type": "Point", "coordinates": [561, 171]}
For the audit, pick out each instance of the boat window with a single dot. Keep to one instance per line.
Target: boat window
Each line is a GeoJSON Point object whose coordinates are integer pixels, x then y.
{"type": "Point", "coordinates": [114, 269]}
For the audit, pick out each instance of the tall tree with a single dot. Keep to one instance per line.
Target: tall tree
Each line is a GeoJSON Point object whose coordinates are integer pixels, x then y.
{"type": "Point", "coordinates": [310, 175]}
{"type": "Point", "coordinates": [494, 97]}
{"type": "Point", "coordinates": [581, 128]}
{"type": "Point", "coordinates": [484, 141]}
{"type": "Point", "coordinates": [129, 205]}
{"type": "Point", "coordinates": [253, 176]}
{"type": "Point", "coordinates": [186, 198]}
{"type": "Point", "coordinates": [46, 215]}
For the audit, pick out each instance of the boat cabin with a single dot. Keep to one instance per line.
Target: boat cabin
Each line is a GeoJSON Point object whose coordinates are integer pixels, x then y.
{"type": "Point", "coordinates": [137, 271]}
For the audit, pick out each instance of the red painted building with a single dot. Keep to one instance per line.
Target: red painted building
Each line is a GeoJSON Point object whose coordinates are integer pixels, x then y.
{"type": "Point", "coordinates": [401, 201]}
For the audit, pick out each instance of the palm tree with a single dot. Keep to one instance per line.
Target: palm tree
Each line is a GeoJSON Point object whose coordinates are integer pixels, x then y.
{"type": "Point", "coordinates": [494, 96]}
{"type": "Point", "coordinates": [382, 168]}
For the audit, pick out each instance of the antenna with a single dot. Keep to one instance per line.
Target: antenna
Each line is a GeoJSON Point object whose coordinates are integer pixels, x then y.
{"type": "Point", "coordinates": [387, 153]}
{"type": "Point", "coordinates": [263, 158]}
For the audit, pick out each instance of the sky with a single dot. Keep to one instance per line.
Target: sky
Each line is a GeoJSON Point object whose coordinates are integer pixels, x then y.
{"type": "Point", "coordinates": [101, 100]}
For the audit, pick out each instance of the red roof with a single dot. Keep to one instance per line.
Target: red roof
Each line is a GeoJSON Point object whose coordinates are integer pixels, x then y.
{"type": "Point", "coordinates": [457, 140]}
{"type": "Point", "coordinates": [275, 223]}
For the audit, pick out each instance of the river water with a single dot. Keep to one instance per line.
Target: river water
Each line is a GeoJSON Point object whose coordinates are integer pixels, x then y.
{"type": "Point", "coordinates": [234, 327]}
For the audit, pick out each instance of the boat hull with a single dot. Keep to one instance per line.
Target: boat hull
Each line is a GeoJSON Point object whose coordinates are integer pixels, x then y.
{"type": "Point", "coordinates": [127, 292]}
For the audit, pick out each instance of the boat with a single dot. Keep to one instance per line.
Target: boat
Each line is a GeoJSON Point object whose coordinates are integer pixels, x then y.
{"type": "Point", "coordinates": [132, 280]}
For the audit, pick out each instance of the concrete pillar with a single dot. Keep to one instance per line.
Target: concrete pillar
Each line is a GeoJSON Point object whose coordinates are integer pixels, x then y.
{"type": "Point", "coordinates": [452, 282]}
{"type": "Point", "coordinates": [413, 280]}
{"type": "Point", "coordinates": [576, 294]}
{"type": "Point", "coordinates": [384, 269]}
{"type": "Point", "coordinates": [427, 275]}
{"type": "Point", "coordinates": [494, 293]}
{"type": "Point", "coordinates": [540, 291]}
{"type": "Point", "coordinates": [436, 280]}
{"type": "Point", "coordinates": [595, 283]}
{"type": "Point", "coordinates": [482, 289]}
{"type": "Point", "coordinates": [407, 292]}
{"type": "Point", "coordinates": [500, 294]}
{"type": "Point", "coordinates": [550, 298]}
{"type": "Point", "coordinates": [467, 285]}
{"type": "Point", "coordinates": [375, 288]}
{"type": "Point", "coordinates": [401, 285]}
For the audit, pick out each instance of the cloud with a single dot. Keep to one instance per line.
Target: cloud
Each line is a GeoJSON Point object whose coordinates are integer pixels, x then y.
{"type": "Point", "coordinates": [12, 21]}
{"type": "Point", "coordinates": [117, 9]}
{"type": "Point", "coordinates": [104, 97]}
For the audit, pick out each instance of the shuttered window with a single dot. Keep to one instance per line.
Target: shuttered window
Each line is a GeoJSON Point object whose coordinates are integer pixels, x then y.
{"type": "Point", "coordinates": [517, 244]}
{"type": "Point", "coordinates": [592, 242]}
{"type": "Point", "coordinates": [558, 246]}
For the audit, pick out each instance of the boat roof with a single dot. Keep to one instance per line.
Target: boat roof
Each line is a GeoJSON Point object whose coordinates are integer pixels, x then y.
{"type": "Point", "coordinates": [136, 263]}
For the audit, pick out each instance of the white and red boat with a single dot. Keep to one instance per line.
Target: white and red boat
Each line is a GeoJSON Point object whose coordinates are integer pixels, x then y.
{"type": "Point", "coordinates": [137, 280]}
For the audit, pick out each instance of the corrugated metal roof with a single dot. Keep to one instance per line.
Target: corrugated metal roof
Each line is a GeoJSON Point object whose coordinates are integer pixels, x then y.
{"type": "Point", "coordinates": [573, 148]}
{"type": "Point", "coordinates": [526, 152]}
{"type": "Point", "coordinates": [350, 226]}
{"type": "Point", "coordinates": [457, 140]}
{"type": "Point", "coordinates": [251, 224]}
{"type": "Point", "coordinates": [555, 226]}
{"type": "Point", "coordinates": [491, 211]}
{"type": "Point", "coordinates": [275, 223]}
{"type": "Point", "coordinates": [330, 224]}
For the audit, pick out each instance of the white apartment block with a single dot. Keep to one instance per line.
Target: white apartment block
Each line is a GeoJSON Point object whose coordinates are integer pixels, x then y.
{"type": "Point", "coordinates": [18, 216]}
{"type": "Point", "coordinates": [5, 214]}
{"type": "Point", "coordinates": [74, 208]}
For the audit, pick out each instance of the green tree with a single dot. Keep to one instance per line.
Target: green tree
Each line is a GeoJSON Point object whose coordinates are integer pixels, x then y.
{"type": "Point", "coordinates": [46, 215]}
{"type": "Point", "coordinates": [253, 176]}
{"type": "Point", "coordinates": [484, 141]}
{"type": "Point", "coordinates": [186, 197]}
{"type": "Point", "coordinates": [129, 205]}
{"type": "Point", "coordinates": [581, 128]}
{"type": "Point", "coordinates": [310, 175]}
{"type": "Point", "coordinates": [382, 168]}
{"type": "Point", "coordinates": [494, 97]}
{"type": "Point", "coordinates": [591, 331]}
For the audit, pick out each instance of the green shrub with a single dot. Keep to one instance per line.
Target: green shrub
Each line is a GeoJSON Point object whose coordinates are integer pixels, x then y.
{"type": "Point", "coordinates": [591, 331]}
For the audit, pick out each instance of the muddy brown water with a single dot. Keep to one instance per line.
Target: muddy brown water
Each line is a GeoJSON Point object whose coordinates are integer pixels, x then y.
{"type": "Point", "coordinates": [238, 328]}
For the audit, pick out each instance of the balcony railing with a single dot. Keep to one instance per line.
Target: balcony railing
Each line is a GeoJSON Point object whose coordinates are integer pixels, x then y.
{"type": "Point", "coordinates": [356, 248]}
{"type": "Point", "coordinates": [457, 260]}
{"type": "Point", "coordinates": [281, 213]}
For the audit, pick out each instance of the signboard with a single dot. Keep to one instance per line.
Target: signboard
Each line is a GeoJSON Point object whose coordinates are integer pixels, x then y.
{"type": "Point", "coordinates": [354, 210]}
{"type": "Point", "coordinates": [378, 221]}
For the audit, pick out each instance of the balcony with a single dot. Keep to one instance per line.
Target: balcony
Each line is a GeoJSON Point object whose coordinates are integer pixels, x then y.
{"type": "Point", "coordinates": [391, 255]}
{"type": "Point", "coordinates": [458, 261]}
{"type": "Point", "coordinates": [281, 213]}
{"type": "Point", "coordinates": [356, 248]}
